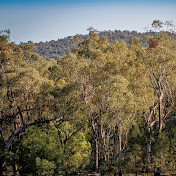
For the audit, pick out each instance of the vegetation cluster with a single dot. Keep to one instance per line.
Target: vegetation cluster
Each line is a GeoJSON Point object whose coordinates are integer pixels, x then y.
{"type": "Point", "coordinates": [106, 107]}
{"type": "Point", "coordinates": [61, 47]}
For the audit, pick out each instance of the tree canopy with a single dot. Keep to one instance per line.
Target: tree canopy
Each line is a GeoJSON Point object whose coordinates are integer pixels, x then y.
{"type": "Point", "coordinates": [105, 107]}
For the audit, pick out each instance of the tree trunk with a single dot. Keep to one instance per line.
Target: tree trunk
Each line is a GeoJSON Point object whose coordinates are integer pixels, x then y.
{"type": "Point", "coordinates": [160, 110]}
{"type": "Point", "coordinates": [103, 136]}
{"type": "Point", "coordinates": [2, 155]}
{"type": "Point", "coordinates": [96, 154]}
{"type": "Point", "coordinates": [120, 149]}
{"type": "Point", "coordinates": [1, 165]}
{"type": "Point", "coordinates": [149, 148]}
{"type": "Point", "coordinates": [114, 152]}
{"type": "Point", "coordinates": [135, 165]}
{"type": "Point", "coordinates": [15, 167]}
{"type": "Point", "coordinates": [95, 136]}
{"type": "Point", "coordinates": [15, 170]}
{"type": "Point", "coordinates": [160, 98]}
{"type": "Point", "coordinates": [148, 151]}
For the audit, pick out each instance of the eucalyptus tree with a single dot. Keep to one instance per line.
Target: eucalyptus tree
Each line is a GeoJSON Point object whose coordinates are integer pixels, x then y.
{"type": "Point", "coordinates": [158, 60]}
{"type": "Point", "coordinates": [145, 94]}
{"type": "Point", "coordinates": [160, 65]}
{"type": "Point", "coordinates": [156, 64]}
{"type": "Point", "coordinates": [83, 67]}
{"type": "Point", "coordinates": [25, 94]}
{"type": "Point", "coordinates": [99, 71]}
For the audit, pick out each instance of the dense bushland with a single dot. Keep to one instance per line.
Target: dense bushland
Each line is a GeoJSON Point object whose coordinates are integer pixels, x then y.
{"type": "Point", "coordinates": [102, 108]}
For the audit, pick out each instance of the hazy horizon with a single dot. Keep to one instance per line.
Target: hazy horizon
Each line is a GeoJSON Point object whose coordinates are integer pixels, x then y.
{"type": "Point", "coordinates": [51, 20]}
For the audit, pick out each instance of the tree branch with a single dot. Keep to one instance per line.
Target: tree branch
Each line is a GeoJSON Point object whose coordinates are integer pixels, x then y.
{"type": "Point", "coordinates": [25, 126]}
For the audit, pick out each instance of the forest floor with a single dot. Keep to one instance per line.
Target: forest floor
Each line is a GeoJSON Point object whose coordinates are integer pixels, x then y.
{"type": "Point", "coordinates": [139, 174]}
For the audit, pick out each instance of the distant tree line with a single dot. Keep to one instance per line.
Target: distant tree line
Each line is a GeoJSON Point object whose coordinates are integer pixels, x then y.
{"type": "Point", "coordinates": [61, 47]}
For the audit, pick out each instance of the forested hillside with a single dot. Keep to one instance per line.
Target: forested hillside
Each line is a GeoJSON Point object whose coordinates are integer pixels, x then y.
{"type": "Point", "coordinates": [106, 107]}
{"type": "Point", "coordinates": [61, 47]}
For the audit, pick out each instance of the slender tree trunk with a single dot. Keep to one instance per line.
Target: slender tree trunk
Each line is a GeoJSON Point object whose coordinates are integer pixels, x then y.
{"type": "Point", "coordinates": [15, 170]}
{"type": "Point", "coordinates": [135, 165]}
{"type": "Point", "coordinates": [103, 136]}
{"type": "Point", "coordinates": [2, 156]}
{"type": "Point", "coordinates": [149, 148]}
{"type": "Point", "coordinates": [148, 151]}
{"type": "Point", "coordinates": [107, 146]}
{"type": "Point", "coordinates": [160, 98]}
{"type": "Point", "coordinates": [120, 149]}
{"type": "Point", "coordinates": [95, 136]}
{"type": "Point", "coordinates": [1, 165]}
{"type": "Point", "coordinates": [96, 154]}
{"type": "Point", "coordinates": [114, 152]}
{"type": "Point", "coordinates": [15, 167]}
{"type": "Point", "coordinates": [160, 110]}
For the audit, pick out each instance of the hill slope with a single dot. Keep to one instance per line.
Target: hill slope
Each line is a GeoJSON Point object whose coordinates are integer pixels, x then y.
{"type": "Point", "coordinates": [61, 47]}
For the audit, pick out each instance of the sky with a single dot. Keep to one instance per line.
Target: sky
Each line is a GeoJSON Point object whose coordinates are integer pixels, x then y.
{"type": "Point", "coordinates": [45, 20]}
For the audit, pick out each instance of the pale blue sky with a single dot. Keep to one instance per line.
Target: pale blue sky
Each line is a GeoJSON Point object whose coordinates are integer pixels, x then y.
{"type": "Point", "coordinates": [52, 19]}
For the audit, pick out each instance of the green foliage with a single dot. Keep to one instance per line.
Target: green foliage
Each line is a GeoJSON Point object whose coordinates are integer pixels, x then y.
{"type": "Point", "coordinates": [106, 98]}
{"type": "Point", "coordinates": [62, 47]}
{"type": "Point", "coordinates": [76, 149]}
{"type": "Point", "coordinates": [45, 167]}
{"type": "Point", "coordinates": [40, 148]}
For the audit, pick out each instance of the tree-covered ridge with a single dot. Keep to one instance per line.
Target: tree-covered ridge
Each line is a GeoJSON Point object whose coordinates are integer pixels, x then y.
{"type": "Point", "coordinates": [105, 107]}
{"type": "Point", "coordinates": [61, 47]}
